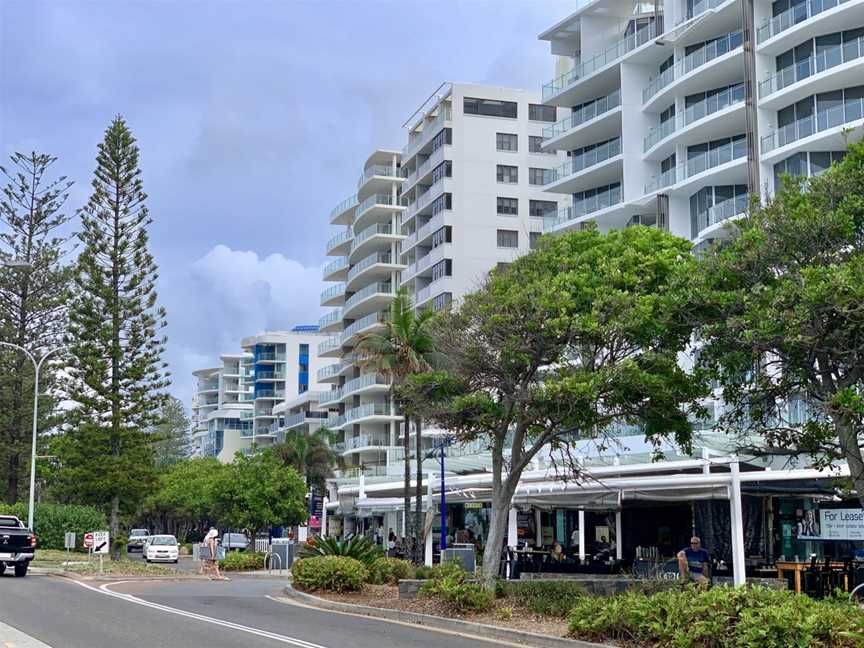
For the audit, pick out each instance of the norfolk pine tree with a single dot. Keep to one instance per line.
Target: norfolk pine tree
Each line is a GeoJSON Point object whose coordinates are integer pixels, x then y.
{"type": "Point", "coordinates": [117, 377]}
{"type": "Point", "coordinates": [32, 302]}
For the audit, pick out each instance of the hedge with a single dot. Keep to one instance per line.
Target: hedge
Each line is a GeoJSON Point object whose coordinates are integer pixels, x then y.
{"type": "Point", "coordinates": [242, 561]}
{"type": "Point", "coordinates": [329, 573]}
{"type": "Point", "coordinates": [52, 521]}
{"type": "Point", "coordinates": [549, 598]}
{"type": "Point", "coordinates": [389, 571]}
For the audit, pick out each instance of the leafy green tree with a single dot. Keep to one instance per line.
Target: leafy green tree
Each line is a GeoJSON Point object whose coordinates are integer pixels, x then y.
{"type": "Point", "coordinates": [404, 348]}
{"type": "Point", "coordinates": [117, 377]}
{"type": "Point", "coordinates": [172, 440]}
{"type": "Point", "coordinates": [310, 455]}
{"type": "Point", "coordinates": [32, 302]}
{"type": "Point", "coordinates": [781, 309]}
{"type": "Point", "coordinates": [257, 491]}
{"type": "Point", "coordinates": [570, 341]}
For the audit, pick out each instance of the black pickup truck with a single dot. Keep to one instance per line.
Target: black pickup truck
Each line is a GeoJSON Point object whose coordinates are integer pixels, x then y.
{"type": "Point", "coordinates": [17, 545]}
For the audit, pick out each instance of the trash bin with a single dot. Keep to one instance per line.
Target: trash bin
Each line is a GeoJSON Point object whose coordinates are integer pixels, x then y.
{"type": "Point", "coordinates": [464, 553]}
{"type": "Point", "coordinates": [284, 548]}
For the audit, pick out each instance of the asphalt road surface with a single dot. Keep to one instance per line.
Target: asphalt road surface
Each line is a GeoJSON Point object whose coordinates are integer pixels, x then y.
{"type": "Point", "coordinates": [63, 613]}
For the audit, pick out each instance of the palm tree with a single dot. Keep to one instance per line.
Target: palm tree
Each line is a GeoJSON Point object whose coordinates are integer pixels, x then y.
{"type": "Point", "coordinates": [310, 455]}
{"type": "Point", "coordinates": [404, 348]}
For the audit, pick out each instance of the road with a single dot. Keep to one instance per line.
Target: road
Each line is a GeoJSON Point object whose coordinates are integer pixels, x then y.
{"type": "Point", "coordinates": [192, 614]}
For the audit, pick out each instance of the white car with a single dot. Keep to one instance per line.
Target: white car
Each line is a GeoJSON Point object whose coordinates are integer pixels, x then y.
{"type": "Point", "coordinates": [162, 548]}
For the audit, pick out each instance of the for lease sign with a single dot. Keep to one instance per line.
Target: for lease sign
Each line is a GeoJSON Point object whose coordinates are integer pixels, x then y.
{"type": "Point", "coordinates": [842, 524]}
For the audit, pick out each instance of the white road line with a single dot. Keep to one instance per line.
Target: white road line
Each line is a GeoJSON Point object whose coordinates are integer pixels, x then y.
{"type": "Point", "coordinates": [129, 598]}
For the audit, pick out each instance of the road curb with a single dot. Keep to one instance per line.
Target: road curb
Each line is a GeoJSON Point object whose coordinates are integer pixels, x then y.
{"type": "Point", "coordinates": [114, 577]}
{"type": "Point", "coordinates": [468, 628]}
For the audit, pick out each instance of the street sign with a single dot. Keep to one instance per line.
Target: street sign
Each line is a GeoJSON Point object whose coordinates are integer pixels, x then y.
{"type": "Point", "coordinates": [69, 541]}
{"type": "Point", "coordinates": [100, 542]}
{"type": "Point", "coordinates": [88, 540]}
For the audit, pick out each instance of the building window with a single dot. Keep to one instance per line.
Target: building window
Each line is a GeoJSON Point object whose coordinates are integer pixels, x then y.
{"type": "Point", "coordinates": [442, 269]}
{"type": "Point", "coordinates": [442, 236]}
{"type": "Point", "coordinates": [541, 208]}
{"type": "Point", "coordinates": [441, 301]}
{"type": "Point", "coordinates": [490, 107]}
{"type": "Point", "coordinates": [508, 174]}
{"type": "Point", "coordinates": [533, 238]}
{"type": "Point", "coordinates": [442, 138]}
{"type": "Point", "coordinates": [539, 176]}
{"type": "Point", "coordinates": [508, 206]}
{"type": "Point", "coordinates": [535, 145]}
{"type": "Point", "coordinates": [443, 170]}
{"type": "Point", "coordinates": [506, 142]}
{"type": "Point", "coordinates": [538, 112]}
{"type": "Point", "coordinates": [508, 238]}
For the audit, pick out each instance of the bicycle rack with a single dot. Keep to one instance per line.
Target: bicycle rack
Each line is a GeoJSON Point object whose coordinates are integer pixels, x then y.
{"type": "Point", "coordinates": [855, 590]}
{"type": "Point", "coordinates": [270, 556]}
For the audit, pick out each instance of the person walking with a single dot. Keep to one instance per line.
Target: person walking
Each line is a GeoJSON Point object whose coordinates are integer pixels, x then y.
{"type": "Point", "coordinates": [211, 563]}
{"type": "Point", "coordinates": [694, 562]}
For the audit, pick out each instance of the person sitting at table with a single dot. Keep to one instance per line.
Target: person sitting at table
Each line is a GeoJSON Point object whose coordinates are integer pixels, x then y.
{"type": "Point", "coordinates": [694, 562]}
{"type": "Point", "coordinates": [557, 552]}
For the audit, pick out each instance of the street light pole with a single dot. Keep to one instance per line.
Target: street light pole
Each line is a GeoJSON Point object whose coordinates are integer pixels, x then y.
{"type": "Point", "coordinates": [37, 365]}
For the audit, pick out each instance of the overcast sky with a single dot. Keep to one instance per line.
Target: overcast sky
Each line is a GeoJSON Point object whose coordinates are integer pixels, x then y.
{"type": "Point", "coordinates": [253, 119]}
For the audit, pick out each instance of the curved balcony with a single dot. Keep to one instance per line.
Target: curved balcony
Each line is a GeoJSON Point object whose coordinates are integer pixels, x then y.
{"type": "Point", "coordinates": [367, 383]}
{"type": "Point", "coordinates": [561, 91]}
{"type": "Point", "coordinates": [598, 166]}
{"type": "Point", "coordinates": [823, 131]}
{"type": "Point", "coordinates": [331, 371]}
{"type": "Point", "coordinates": [372, 298]}
{"type": "Point", "coordinates": [372, 238]}
{"type": "Point", "coordinates": [718, 56]}
{"type": "Point", "coordinates": [334, 295]}
{"type": "Point", "coordinates": [331, 347]}
{"type": "Point", "coordinates": [602, 118]}
{"type": "Point", "coordinates": [341, 243]}
{"type": "Point", "coordinates": [599, 203]}
{"type": "Point", "coordinates": [331, 397]}
{"type": "Point", "coordinates": [365, 443]}
{"type": "Point", "coordinates": [305, 418]}
{"type": "Point", "coordinates": [371, 412]}
{"type": "Point", "coordinates": [832, 68]}
{"type": "Point", "coordinates": [725, 158]}
{"type": "Point", "coordinates": [331, 321]}
{"type": "Point", "coordinates": [374, 208]}
{"type": "Point", "coordinates": [377, 266]}
{"type": "Point", "coordinates": [363, 325]}
{"type": "Point", "coordinates": [797, 23]}
{"type": "Point", "coordinates": [661, 140]}
{"type": "Point", "coordinates": [343, 213]}
{"type": "Point", "coordinates": [386, 171]}
{"type": "Point", "coordinates": [712, 221]}
{"type": "Point", "coordinates": [334, 422]}
{"type": "Point", "coordinates": [336, 270]}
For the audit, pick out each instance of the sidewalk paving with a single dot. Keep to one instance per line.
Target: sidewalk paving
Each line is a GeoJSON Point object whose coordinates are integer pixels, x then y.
{"type": "Point", "coordinates": [13, 638]}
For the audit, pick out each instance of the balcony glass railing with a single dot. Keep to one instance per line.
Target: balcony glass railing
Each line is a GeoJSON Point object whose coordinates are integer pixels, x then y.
{"type": "Point", "coordinates": [852, 110]}
{"type": "Point", "coordinates": [270, 375]}
{"type": "Point", "coordinates": [700, 57]}
{"type": "Point", "coordinates": [369, 409]}
{"type": "Point", "coordinates": [269, 393]}
{"type": "Point", "coordinates": [377, 199]}
{"type": "Point", "coordinates": [698, 164]}
{"type": "Point", "coordinates": [329, 371]}
{"type": "Point", "coordinates": [338, 264]}
{"type": "Point", "coordinates": [604, 58]}
{"type": "Point", "coordinates": [382, 170]}
{"type": "Point", "coordinates": [345, 235]}
{"type": "Point", "coordinates": [721, 212]}
{"type": "Point", "coordinates": [331, 396]}
{"type": "Point", "coordinates": [366, 262]}
{"type": "Point", "coordinates": [330, 318]}
{"type": "Point", "coordinates": [586, 114]}
{"type": "Point", "coordinates": [368, 291]}
{"type": "Point", "coordinates": [579, 163]}
{"type": "Point", "coordinates": [792, 16]}
{"type": "Point", "coordinates": [693, 113]}
{"type": "Point", "coordinates": [601, 200]}
{"type": "Point", "coordinates": [366, 441]}
{"type": "Point", "coordinates": [429, 131]}
{"type": "Point", "coordinates": [369, 232]}
{"type": "Point", "coordinates": [346, 204]}
{"type": "Point", "coordinates": [432, 161]}
{"type": "Point", "coordinates": [364, 381]}
{"type": "Point", "coordinates": [362, 323]}
{"type": "Point", "coordinates": [701, 7]}
{"type": "Point", "coordinates": [332, 291]}
{"type": "Point", "coordinates": [330, 344]}
{"type": "Point", "coordinates": [333, 422]}
{"type": "Point", "coordinates": [825, 60]}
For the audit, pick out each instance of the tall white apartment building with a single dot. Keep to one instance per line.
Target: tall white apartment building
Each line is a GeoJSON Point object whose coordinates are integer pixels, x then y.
{"type": "Point", "coordinates": [680, 110]}
{"type": "Point", "coordinates": [245, 400]}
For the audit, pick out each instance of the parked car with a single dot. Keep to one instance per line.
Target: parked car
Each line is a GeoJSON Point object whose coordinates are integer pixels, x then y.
{"type": "Point", "coordinates": [162, 548]}
{"type": "Point", "coordinates": [234, 541]}
{"type": "Point", "coordinates": [137, 539]}
{"type": "Point", "coordinates": [17, 545]}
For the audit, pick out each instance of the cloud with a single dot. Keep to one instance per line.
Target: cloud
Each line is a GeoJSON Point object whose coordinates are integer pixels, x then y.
{"type": "Point", "coordinates": [229, 294]}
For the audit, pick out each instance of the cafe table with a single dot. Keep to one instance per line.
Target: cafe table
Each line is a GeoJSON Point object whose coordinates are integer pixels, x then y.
{"type": "Point", "coordinates": [786, 566]}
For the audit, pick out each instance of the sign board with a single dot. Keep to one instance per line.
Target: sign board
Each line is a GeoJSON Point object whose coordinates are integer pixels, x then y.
{"type": "Point", "coordinates": [88, 540]}
{"type": "Point", "coordinates": [69, 541]}
{"type": "Point", "coordinates": [833, 524]}
{"type": "Point", "coordinates": [100, 542]}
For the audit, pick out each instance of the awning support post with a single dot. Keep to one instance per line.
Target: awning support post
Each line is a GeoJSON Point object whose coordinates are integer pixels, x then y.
{"type": "Point", "coordinates": [738, 576]}
{"type": "Point", "coordinates": [512, 530]}
{"type": "Point", "coordinates": [581, 535]}
{"type": "Point", "coordinates": [324, 503]}
{"type": "Point", "coordinates": [619, 541]}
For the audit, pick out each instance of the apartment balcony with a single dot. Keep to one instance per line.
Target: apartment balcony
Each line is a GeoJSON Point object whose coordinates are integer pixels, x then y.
{"type": "Point", "coordinates": [270, 394]}
{"type": "Point", "coordinates": [425, 295]}
{"type": "Point", "coordinates": [336, 270]}
{"type": "Point", "coordinates": [718, 115]}
{"type": "Point", "coordinates": [835, 67]}
{"type": "Point", "coordinates": [567, 217]}
{"type": "Point", "coordinates": [305, 418]}
{"type": "Point", "coordinates": [562, 91]}
{"type": "Point", "coordinates": [330, 373]}
{"type": "Point", "coordinates": [431, 128]}
{"type": "Point", "coordinates": [712, 223]}
{"type": "Point", "coordinates": [334, 295]}
{"type": "Point", "coordinates": [711, 66]}
{"type": "Point", "coordinates": [820, 132]}
{"type": "Point", "coordinates": [598, 121]}
{"type": "Point", "coordinates": [334, 422]}
{"type": "Point", "coordinates": [724, 165]}
{"type": "Point", "coordinates": [364, 443]}
{"type": "Point", "coordinates": [269, 376]}
{"type": "Point", "coordinates": [375, 267]}
{"type": "Point", "coordinates": [423, 265]}
{"type": "Point", "coordinates": [599, 166]}
{"type": "Point", "coordinates": [372, 298]}
{"type": "Point", "coordinates": [806, 20]}
{"type": "Point", "coordinates": [343, 213]}
{"type": "Point", "coordinates": [340, 244]}
{"type": "Point", "coordinates": [376, 178]}
{"type": "Point", "coordinates": [331, 322]}
{"type": "Point", "coordinates": [331, 347]}
{"type": "Point", "coordinates": [371, 413]}
{"type": "Point", "coordinates": [361, 326]}
{"type": "Point", "coordinates": [700, 8]}
{"type": "Point", "coordinates": [375, 208]}
{"type": "Point", "coordinates": [372, 239]}
{"type": "Point", "coordinates": [422, 235]}
{"type": "Point", "coordinates": [330, 397]}
{"type": "Point", "coordinates": [367, 384]}
{"type": "Point", "coordinates": [422, 203]}
{"type": "Point", "coordinates": [424, 170]}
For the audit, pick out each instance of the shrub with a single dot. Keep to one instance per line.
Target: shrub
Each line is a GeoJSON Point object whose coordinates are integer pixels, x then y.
{"type": "Point", "coordinates": [504, 613]}
{"type": "Point", "coordinates": [359, 548]}
{"type": "Point", "coordinates": [449, 586]}
{"type": "Point", "coordinates": [329, 573]}
{"type": "Point", "coordinates": [424, 572]}
{"type": "Point", "coordinates": [52, 521]}
{"type": "Point", "coordinates": [550, 598]}
{"type": "Point", "coordinates": [390, 571]}
{"type": "Point", "coordinates": [718, 618]}
{"type": "Point", "coordinates": [242, 561]}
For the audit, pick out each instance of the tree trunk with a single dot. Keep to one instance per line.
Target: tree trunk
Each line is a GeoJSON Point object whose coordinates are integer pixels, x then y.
{"type": "Point", "coordinates": [501, 501]}
{"type": "Point", "coordinates": [418, 494]}
{"type": "Point", "coordinates": [409, 518]}
{"type": "Point", "coordinates": [114, 527]}
{"type": "Point", "coordinates": [846, 435]}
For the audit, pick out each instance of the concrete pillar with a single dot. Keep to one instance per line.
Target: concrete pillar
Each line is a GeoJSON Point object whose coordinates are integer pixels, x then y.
{"type": "Point", "coordinates": [430, 507]}
{"type": "Point", "coordinates": [619, 540]}
{"type": "Point", "coordinates": [512, 530]}
{"type": "Point", "coordinates": [362, 486]}
{"type": "Point", "coordinates": [738, 575]}
{"type": "Point", "coordinates": [706, 468]}
{"type": "Point", "coordinates": [581, 535]}
{"type": "Point", "coordinates": [538, 532]}
{"type": "Point", "coordinates": [324, 517]}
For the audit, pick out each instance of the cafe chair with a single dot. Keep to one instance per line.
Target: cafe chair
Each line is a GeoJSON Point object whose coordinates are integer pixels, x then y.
{"type": "Point", "coordinates": [811, 579]}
